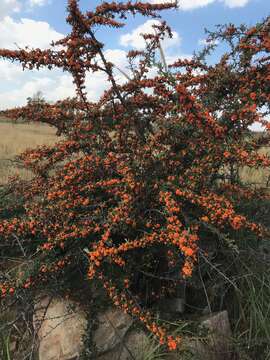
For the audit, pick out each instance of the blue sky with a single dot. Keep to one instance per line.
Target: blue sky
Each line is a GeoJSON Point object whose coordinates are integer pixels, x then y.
{"type": "Point", "coordinates": [189, 23]}
{"type": "Point", "coordinates": [37, 22]}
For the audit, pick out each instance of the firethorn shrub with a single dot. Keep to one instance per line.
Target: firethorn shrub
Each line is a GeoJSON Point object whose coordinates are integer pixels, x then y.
{"type": "Point", "coordinates": [145, 182]}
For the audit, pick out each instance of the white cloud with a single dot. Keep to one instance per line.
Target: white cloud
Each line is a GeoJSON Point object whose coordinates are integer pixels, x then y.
{"type": "Point", "coordinates": [54, 85]}
{"type": "Point", "coordinates": [17, 85]}
{"type": "Point", "coordinates": [257, 126]}
{"type": "Point", "coordinates": [135, 39]}
{"type": "Point", "coordinates": [33, 3]}
{"type": "Point", "coordinates": [170, 46]}
{"type": "Point", "coordinates": [12, 6]}
{"type": "Point", "coordinates": [26, 32]}
{"type": "Point", "coordinates": [97, 82]}
{"type": "Point", "coordinates": [194, 4]}
{"type": "Point", "coordinates": [116, 56]}
{"type": "Point", "coordinates": [9, 6]}
{"type": "Point", "coordinates": [119, 59]}
{"type": "Point", "coordinates": [235, 3]}
{"type": "Point", "coordinates": [9, 71]}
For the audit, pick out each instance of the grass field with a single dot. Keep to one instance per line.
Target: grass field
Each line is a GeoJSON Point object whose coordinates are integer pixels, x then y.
{"type": "Point", "coordinates": [258, 177]}
{"type": "Point", "coordinates": [14, 139]}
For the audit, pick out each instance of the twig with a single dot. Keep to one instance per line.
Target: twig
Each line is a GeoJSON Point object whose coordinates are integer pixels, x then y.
{"type": "Point", "coordinates": [20, 245]}
{"type": "Point", "coordinates": [221, 273]}
{"type": "Point", "coordinates": [204, 288]}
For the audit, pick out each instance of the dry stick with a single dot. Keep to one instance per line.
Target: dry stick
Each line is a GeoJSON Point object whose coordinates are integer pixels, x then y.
{"type": "Point", "coordinates": [20, 245]}
{"type": "Point", "coordinates": [221, 273]}
{"type": "Point", "coordinates": [162, 55]}
{"type": "Point", "coordinates": [204, 288]}
{"type": "Point", "coordinates": [122, 72]}
{"type": "Point", "coordinates": [158, 277]}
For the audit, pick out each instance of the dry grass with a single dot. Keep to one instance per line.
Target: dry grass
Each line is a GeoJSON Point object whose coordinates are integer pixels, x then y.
{"type": "Point", "coordinates": [257, 177]}
{"type": "Point", "coordinates": [14, 139]}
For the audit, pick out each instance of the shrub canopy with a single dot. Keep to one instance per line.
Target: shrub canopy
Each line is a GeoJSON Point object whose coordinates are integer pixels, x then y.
{"type": "Point", "coordinates": [146, 177]}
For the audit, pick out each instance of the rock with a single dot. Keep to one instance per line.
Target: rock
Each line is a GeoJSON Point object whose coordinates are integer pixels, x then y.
{"type": "Point", "coordinates": [217, 345]}
{"type": "Point", "coordinates": [113, 326]}
{"type": "Point", "coordinates": [133, 347]}
{"type": "Point", "coordinates": [60, 325]}
{"type": "Point", "coordinates": [136, 343]}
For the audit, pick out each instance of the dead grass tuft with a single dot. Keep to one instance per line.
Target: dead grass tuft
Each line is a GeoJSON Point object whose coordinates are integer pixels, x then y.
{"type": "Point", "coordinates": [16, 138]}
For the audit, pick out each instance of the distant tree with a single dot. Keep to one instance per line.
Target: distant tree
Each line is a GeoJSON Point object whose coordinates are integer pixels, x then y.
{"type": "Point", "coordinates": [36, 99]}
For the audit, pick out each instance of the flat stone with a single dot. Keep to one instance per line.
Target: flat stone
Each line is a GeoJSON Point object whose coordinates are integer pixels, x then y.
{"type": "Point", "coordinates": [60, 325]}
{"type": "Point", "coordinates": [113, 326]}
{"type": "Point", "coordinates": [133, 346]}
{"type": "Point", "coordinates": [217, 345]}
